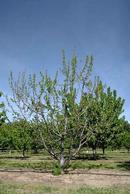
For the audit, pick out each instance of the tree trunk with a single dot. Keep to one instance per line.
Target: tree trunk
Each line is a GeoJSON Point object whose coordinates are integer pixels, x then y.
{"type": "Point", "coordinates": [62, 162]}
{"type": "Point", "coordinates": [62, 158]}
{"type": "Point", "coordinates": [103, 150]}
{"type": "Point", "coordinates": [35, 150]}
{"type": "Point", "coordinates": [94, 154]}
{"type": "Point", "coordinates": [23, 153]}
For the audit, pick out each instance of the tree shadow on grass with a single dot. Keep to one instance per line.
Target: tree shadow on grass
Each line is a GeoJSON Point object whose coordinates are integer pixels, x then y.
{"type": "Point", "coordinates": [14, 157]}
{"type": "Point", "coordinates": [90, 157]}
{"type": "Point", "coordinates": [125, 165]}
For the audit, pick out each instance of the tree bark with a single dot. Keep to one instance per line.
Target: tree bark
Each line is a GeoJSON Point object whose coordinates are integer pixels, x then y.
{"type": "Point", "coordinates": [103, 150]}
{"type": "Point", "coordinates": [23, 153]}
{"type": "Point", "coordinates": [94, 154]}
{"type": "Point", "coordinates": [62, 158]}
{"type": "Point", "coordinates": [62, 162]}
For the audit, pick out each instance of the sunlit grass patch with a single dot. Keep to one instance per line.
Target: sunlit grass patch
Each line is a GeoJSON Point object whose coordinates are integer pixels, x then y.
{"type": "Point", "coordinates": [14, 188]}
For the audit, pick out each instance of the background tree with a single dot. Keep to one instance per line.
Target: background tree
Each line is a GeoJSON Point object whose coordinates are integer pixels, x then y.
{"type": "Point", "coordinates": [126, 140]}
{"type": "Point", "coordinates": [103, 113]}
{"type": "Point", "coordinates": [6, 139]}
{"type": "Point", "coordinates": [36, 141]}
{"type": "Point", "coordinates": [3, 116]}
{"type": "Point", "coordinates": [125, 136]}
{"type": "Point", "coordinates": [111, 108]}
{"type": "Point", "coordinates": [20, 134]}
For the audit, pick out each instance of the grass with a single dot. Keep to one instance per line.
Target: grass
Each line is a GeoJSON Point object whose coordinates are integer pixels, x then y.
{"type": "Point", "coordinates": [112, 160]}
{"type": "Point", "coordinates": [23, 164]}
{"type": "Point", "coordinates": [41, 189]}
{"type": "Point", "coordinates": [90, 190]}
{"type": "Point", "coordinates": [25, 189]}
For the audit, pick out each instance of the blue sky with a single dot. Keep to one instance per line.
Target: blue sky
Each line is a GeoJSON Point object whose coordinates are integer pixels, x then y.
{"type": "Point", "coordinates": [33, 33]}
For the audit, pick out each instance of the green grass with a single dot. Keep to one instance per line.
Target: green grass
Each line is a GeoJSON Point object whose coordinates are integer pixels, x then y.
{"type": "Point", "coordinates": [23, 164]}
{"type": "Point", "coordinates": [90, 190]}
{"type": "Point", "coordinates": [25, 188]}
{"type": "Point", "coordinates": [41, 189]}
{"type": "Point", "coordinates": [112, 160]}
{"type": "Point", "coordinates": [96, 165]}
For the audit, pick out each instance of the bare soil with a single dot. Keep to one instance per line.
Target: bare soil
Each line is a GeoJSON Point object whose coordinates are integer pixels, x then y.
{"type": "Point", "coordinates": [98, 178]}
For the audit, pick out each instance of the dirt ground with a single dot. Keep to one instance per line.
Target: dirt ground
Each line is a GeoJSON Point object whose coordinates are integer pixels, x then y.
{"type": "Point", "coordinates": [98, 178]}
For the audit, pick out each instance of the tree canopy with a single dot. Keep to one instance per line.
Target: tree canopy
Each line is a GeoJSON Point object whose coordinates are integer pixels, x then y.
{"type": "Point", "coordinates": [70, 110]}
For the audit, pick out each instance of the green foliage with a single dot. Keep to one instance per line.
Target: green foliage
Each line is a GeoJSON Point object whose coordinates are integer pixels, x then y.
{"type": "Point", "coordinates": [56, 170]}
{"type": "Point", "coordinates": [64, 115]}
{"type": "Point", "coordinates": [4, 142]}
{"type": "Point", "coordinates": [126, 140]}
{"type": "Point", "coordinates": [6, 137]}
{"type": "Point", "coordinates": [103, 115]}
{"type": "Point", "coordinates": [2, 112]}
{"type": "Point", "coordinates": [54, 107]}
{"type": "Point", "coordinates": [21, 135]}
{"type": "Point", "coordinates": [36, 141]}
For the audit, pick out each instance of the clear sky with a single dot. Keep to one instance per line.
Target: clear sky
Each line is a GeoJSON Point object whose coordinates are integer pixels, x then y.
{"type": "Point", "coordinates": [33, 33]}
